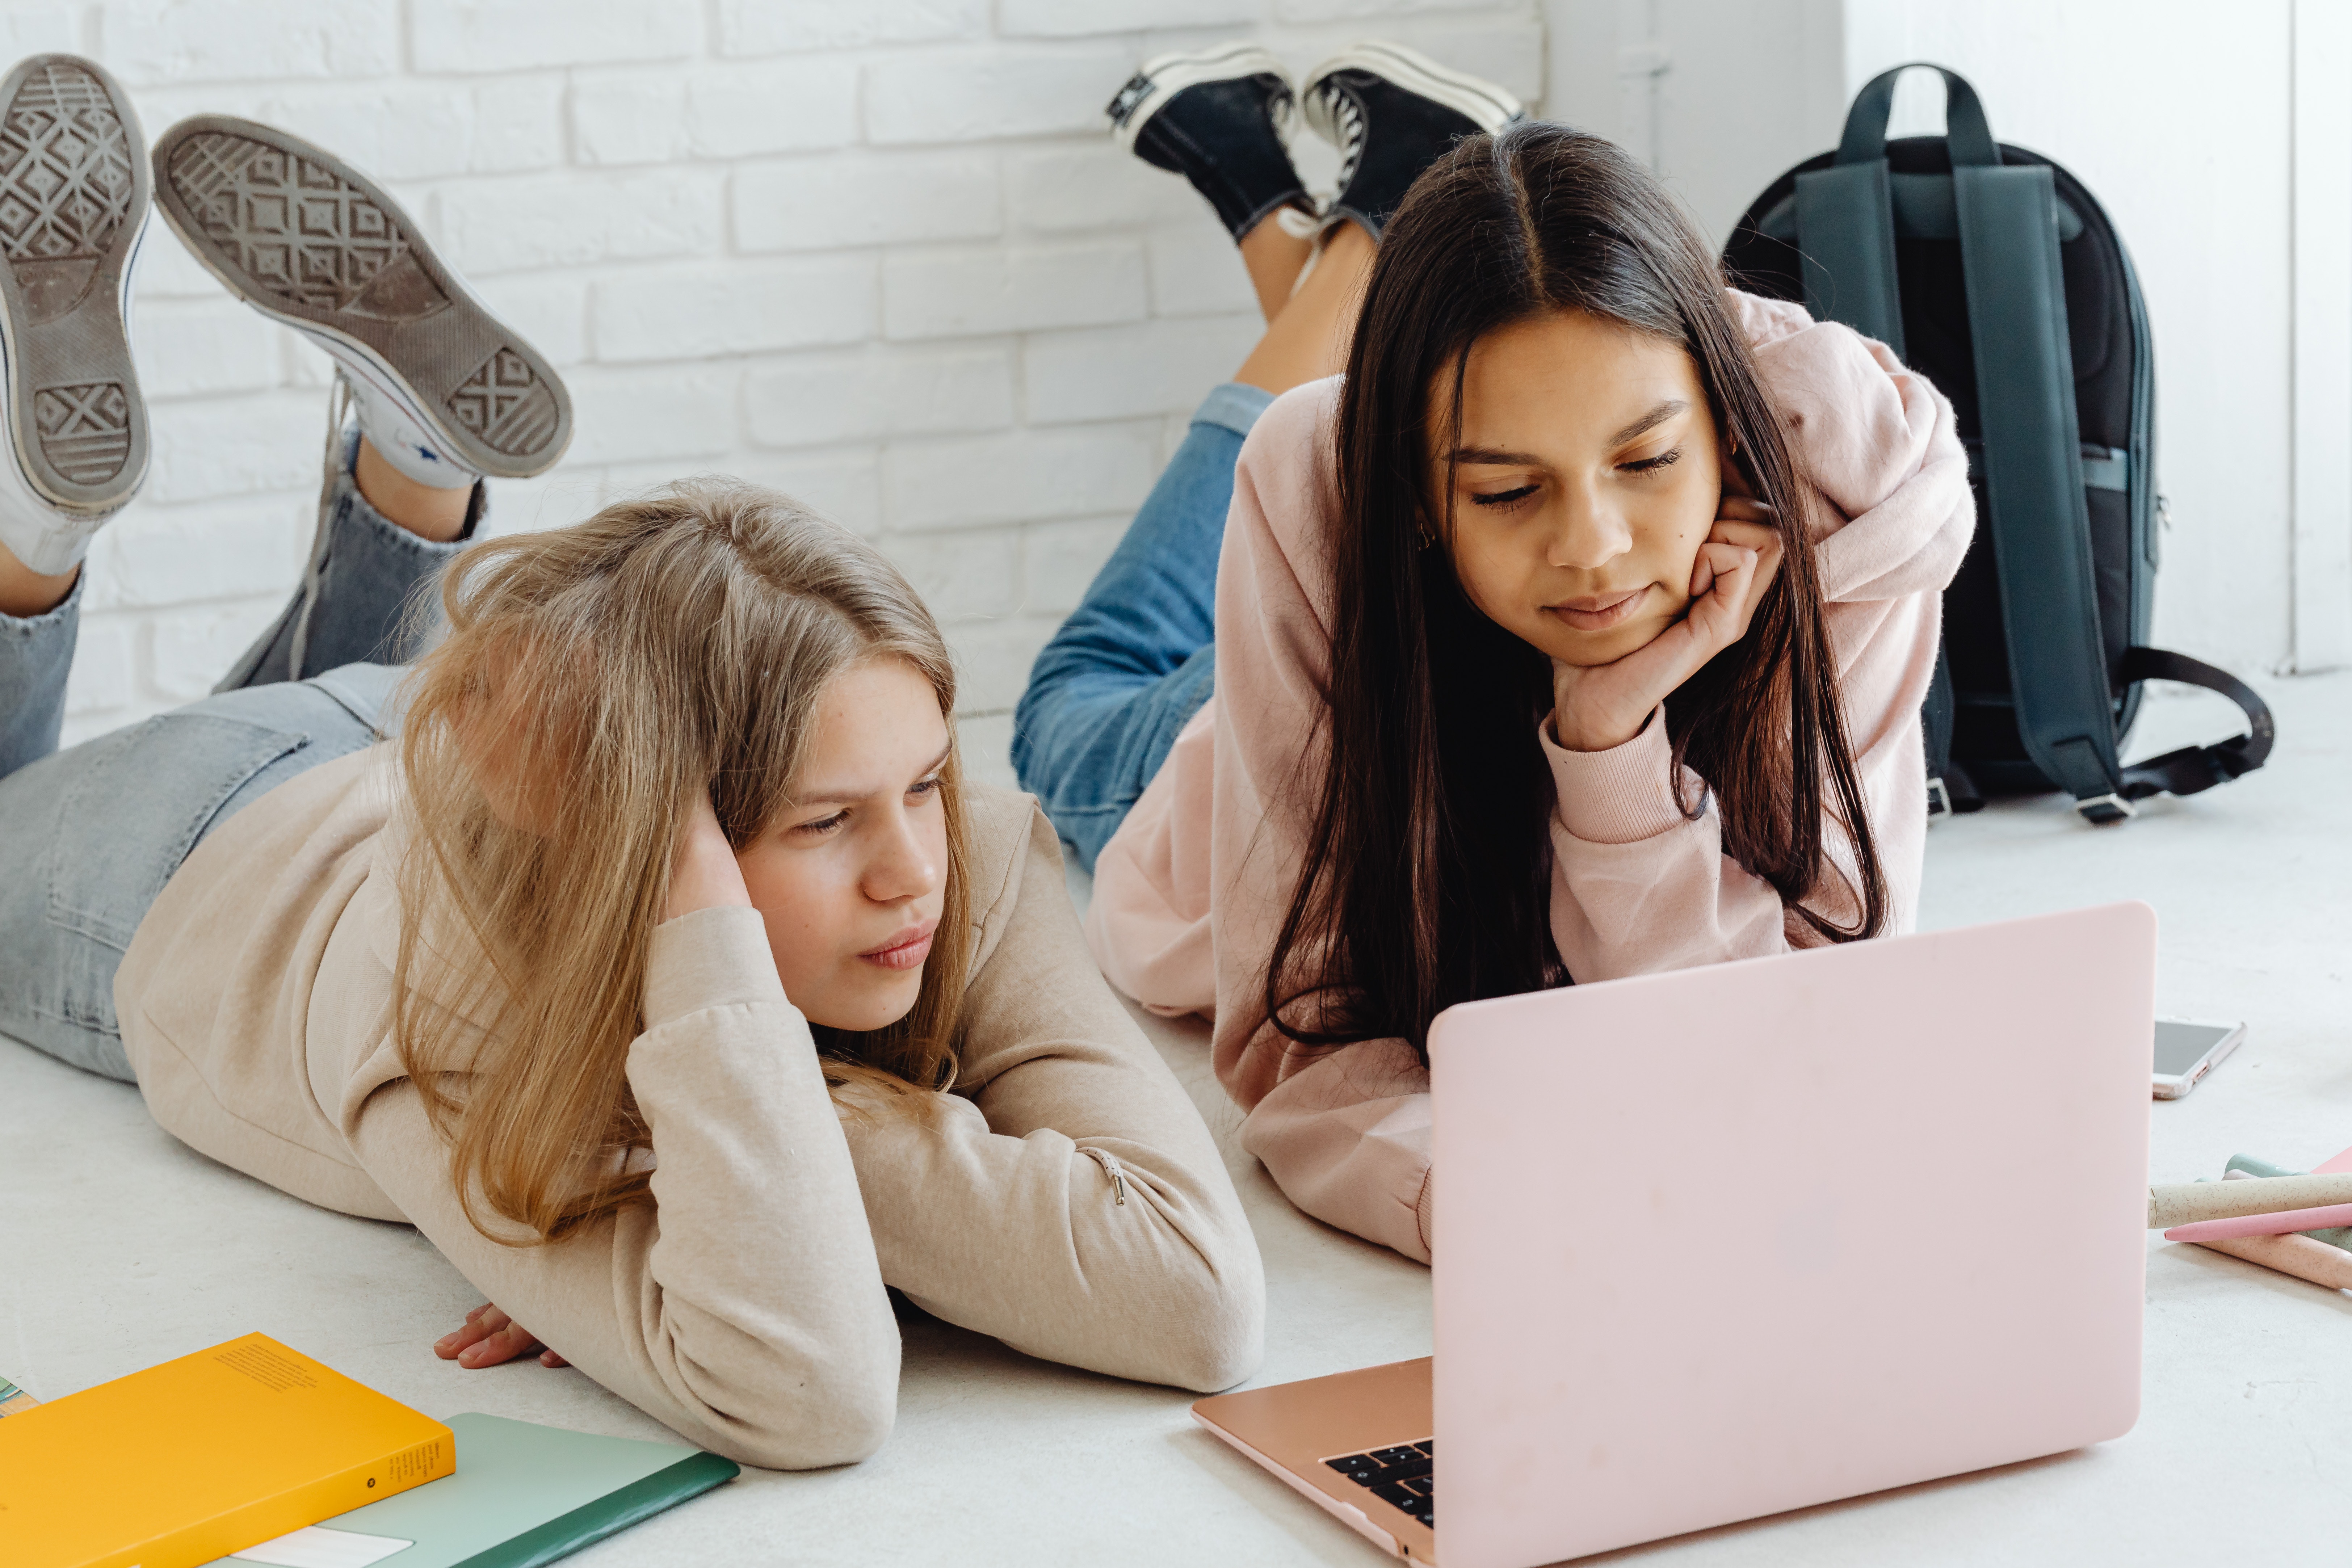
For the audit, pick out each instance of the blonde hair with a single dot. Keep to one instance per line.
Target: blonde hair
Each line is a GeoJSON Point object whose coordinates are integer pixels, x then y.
{"type": "Point", "coordinates": [593, 679]}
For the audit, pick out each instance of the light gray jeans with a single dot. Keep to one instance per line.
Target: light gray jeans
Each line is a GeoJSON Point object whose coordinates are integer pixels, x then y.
{"type": "Point", "coordinates": [89, 836]}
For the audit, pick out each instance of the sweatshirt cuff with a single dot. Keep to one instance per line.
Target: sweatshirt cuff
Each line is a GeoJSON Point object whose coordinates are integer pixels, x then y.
{"type": "Point", "coordinates": [710, 958]}
{"type": "Point", "coordinates": [1621, 795]}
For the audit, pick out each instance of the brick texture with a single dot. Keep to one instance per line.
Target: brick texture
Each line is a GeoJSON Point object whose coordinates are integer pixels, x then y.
{"type": "Point", "coordinates": [877, 253]}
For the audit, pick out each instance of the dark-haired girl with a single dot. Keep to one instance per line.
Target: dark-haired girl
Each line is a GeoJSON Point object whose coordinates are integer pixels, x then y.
{"type": "Point", "coordinates": [1579, 631]}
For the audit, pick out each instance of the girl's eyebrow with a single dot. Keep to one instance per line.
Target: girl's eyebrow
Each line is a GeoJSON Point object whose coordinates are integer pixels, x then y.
{"type": "Point", "coordinates": [1489, 456]}
{"type": "Point", "coordinates": [843, 794]}
{"type": "Point", "coordinates": [1655, 417]}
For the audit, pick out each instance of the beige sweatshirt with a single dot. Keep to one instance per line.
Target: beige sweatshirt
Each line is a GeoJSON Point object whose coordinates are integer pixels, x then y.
{"type": "Point", "coordinates": [1191, 891]}
{"type": "Point", "coordinates": [745, 1308]}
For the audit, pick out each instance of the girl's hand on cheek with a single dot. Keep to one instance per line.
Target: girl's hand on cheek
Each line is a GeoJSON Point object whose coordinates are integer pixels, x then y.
{"type": "Point", "coordinates": [704, 873]}
{"type": "Point", "coordinates": [1603, 706]}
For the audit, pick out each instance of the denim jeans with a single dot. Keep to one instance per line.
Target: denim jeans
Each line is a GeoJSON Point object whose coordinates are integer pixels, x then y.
{"type": "Point", "coordinates": [89, 836]}
{"type": "Point", "coordinates": [1138, 658]}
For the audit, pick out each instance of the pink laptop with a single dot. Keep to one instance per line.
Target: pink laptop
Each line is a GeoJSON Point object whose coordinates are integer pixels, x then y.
{"type": "Point", "coordinates": [1735, 1240]}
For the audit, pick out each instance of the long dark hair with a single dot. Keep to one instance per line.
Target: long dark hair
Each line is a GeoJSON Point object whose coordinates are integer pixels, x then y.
{"type": "Point", "coordinates": [1427, 875]}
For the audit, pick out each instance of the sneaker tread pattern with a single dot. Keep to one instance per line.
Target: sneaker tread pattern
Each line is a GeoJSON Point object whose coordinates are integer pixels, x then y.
{"type": "Point", "coordinates": [70, 200]}
{"type": "Point", "coordinates": [300, 232]}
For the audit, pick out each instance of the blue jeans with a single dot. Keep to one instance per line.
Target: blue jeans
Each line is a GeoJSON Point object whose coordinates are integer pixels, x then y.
{"type": "Point", "coordinates": [89, 837]}
{"type": "Point", "coordinates": [1138, 658]}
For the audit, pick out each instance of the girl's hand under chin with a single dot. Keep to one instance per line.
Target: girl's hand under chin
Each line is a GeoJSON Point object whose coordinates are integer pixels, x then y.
{"type": "Point", "coordinates": [1598, 707]}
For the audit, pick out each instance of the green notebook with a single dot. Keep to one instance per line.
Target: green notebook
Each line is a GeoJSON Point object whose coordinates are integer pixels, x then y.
{"type": "Point", "coordinates": [522, 1495]}
{"type": "Point", "coordinates": [13, 1400]}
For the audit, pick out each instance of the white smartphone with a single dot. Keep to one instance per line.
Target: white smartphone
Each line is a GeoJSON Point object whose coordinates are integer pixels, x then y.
{"type": "Point", "coordinates": [2186, 1049]}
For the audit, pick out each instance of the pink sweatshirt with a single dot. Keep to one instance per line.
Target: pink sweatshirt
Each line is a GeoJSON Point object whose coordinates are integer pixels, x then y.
{"type": "Point", "coordinates": [1190, 892]}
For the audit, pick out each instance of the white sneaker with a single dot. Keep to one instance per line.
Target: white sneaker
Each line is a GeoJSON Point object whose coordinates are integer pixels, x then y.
{"type": "Point", "coordinates": [74, 188]}
{"type": "Point", "coordinates": [307, 239]}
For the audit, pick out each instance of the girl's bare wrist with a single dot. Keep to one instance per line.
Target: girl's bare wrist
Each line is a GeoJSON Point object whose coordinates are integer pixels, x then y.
{"type": "Point", "coordinates": [1584, 738]}
{"type": "Point", "coordinates": [698, 883]}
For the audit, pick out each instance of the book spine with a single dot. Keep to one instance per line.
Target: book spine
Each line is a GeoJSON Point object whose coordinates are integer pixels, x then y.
{"type": "Point", "coordinates": [250, 1524]}
{"type": "Point", "coordinates": [608, 1515]}
{"type": "Point", "coordinates": [15, 1401]}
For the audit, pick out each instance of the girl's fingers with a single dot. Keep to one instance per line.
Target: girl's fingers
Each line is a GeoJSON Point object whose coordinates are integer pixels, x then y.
{"type": "Point", "coordinates": [480, 1323]}
{"type": "Point", "coordinates": [490, 1337]}
{"type": "Point", "coordinates": [1757, 536]}
{"type": "Point", "coordinates": [1714, 562]}
{"type": "Point", "coordinates": [1718, 616]}
{"type": "Point", "coordinates": [503, 1346]}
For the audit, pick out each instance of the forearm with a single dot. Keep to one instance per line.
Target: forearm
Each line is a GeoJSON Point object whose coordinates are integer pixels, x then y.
{"type": "Point", "coordinates": [744, 1307]}
{"type": "Point", "coordinates": [1114, 1254]}
{"type": "Point", "coordinates": [1347, 1139]}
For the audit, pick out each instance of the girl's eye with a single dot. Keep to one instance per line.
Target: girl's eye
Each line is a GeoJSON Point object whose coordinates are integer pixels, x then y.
{"type": "Point", "coordinates": [1503, 498]}
{"type": "Point", "coordinates": [924, 786]}
{"type": "Point", "coordinates": [1651, 465]}
{"type": "Point", "coordinates": [823, 825]}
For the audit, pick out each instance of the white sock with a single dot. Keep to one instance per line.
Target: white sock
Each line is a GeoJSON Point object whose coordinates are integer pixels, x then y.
{"type": "Point", "coordinates": [402, 442]}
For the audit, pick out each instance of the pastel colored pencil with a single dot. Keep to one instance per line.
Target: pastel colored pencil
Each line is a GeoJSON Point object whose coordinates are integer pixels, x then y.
{"type": "Point", "coordinates": [2296, 1254]}
{"type": "Point", "coordinates": [2191, 1201]}
{"type": "Point", "coordinates": [2241, 1166]}
{"type": "Point", "coordinates": [2280, 1222]}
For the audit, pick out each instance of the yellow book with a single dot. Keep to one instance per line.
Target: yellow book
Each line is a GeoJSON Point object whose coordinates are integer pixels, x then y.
{"type": "Point", "coordinates": [201, 1457]}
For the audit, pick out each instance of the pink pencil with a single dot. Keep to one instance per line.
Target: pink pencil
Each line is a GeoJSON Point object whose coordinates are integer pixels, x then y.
{"type": "Point", "coordinates": [2283, 1223]}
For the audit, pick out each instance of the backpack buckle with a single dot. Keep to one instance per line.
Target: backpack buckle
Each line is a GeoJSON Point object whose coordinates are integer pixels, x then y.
{"type": "Point", "coordinates": [2102, 809]}
{"type": "Point", "coordinates": [1939, 799]}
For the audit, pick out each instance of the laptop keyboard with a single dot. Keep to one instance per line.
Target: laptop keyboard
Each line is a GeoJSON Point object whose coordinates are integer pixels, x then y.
{"type": "Point", "coordinates": [1401, 1474]}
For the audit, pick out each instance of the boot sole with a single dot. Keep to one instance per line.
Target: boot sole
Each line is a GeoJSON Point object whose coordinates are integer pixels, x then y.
{"type": "Point", "coordinates": [307, 239]}
{"type": "Point", "coordinates": [73, 204]}
{"type": "Point", "coordinates": [1171, 74]}
{"type": "Point", "coordinates": [1484, 104]}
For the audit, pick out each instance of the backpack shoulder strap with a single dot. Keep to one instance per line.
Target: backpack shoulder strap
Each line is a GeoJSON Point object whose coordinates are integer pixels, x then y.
{"type": "Point", "coordinates": [1845, 212]}
{"type": "Point", "coordinates": [1950, 788]}
{"type": "Point", "coordinates": [2195, 768]}
{"type": "Point", "coordinates": [2039, 521]}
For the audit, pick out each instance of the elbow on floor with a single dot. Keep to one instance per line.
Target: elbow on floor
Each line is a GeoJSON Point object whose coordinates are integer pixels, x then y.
{"type": "Point", "coordinates": [824, 1422]}
{"type": "Point", "coordinates": [1221, 1339]}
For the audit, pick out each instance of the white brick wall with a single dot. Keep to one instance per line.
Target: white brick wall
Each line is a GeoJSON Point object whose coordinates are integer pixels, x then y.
{"type": "Point", "coordinates": [878, 253]}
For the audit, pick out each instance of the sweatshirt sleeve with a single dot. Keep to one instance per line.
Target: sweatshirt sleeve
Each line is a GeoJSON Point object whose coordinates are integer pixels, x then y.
{"type": "Point", "coordinates": [1068, 1198]}
{"type": "Point", "coordinates": [1344, 1132]}
{"type": "Point", "coordinates": [744, 1306]}
{"type": "Point", "coordinates": [1638, 887]}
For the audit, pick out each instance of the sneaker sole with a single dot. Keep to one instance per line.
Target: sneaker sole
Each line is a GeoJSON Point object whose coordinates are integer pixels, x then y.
{"type": "Point", "coordinates": [1483, 103]}
{"type": "Point", "coordinates": [1171, 74]}
{"type": "Point", "coordinates": [73, 203]}
{"type": "Point", "coordinates": [307, 239]}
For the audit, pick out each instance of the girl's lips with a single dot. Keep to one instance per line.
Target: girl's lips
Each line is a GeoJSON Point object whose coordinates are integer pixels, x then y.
{"type": "Point", "coordinates": [1598, 615]}
{"type": "Point", "coordinates": [906, 951]}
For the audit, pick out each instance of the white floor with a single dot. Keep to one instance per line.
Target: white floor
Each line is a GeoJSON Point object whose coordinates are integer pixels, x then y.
{"type": "Point", "coordinates": [119, 1249]}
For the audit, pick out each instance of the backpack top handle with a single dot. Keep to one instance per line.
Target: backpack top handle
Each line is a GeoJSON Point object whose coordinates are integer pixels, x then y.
{"type": "Point", "coordinates": [1966, 130]}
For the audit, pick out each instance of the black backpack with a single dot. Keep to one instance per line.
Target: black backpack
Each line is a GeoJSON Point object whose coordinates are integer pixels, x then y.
{"type": "Point", "coordinates": [1993, 273]}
